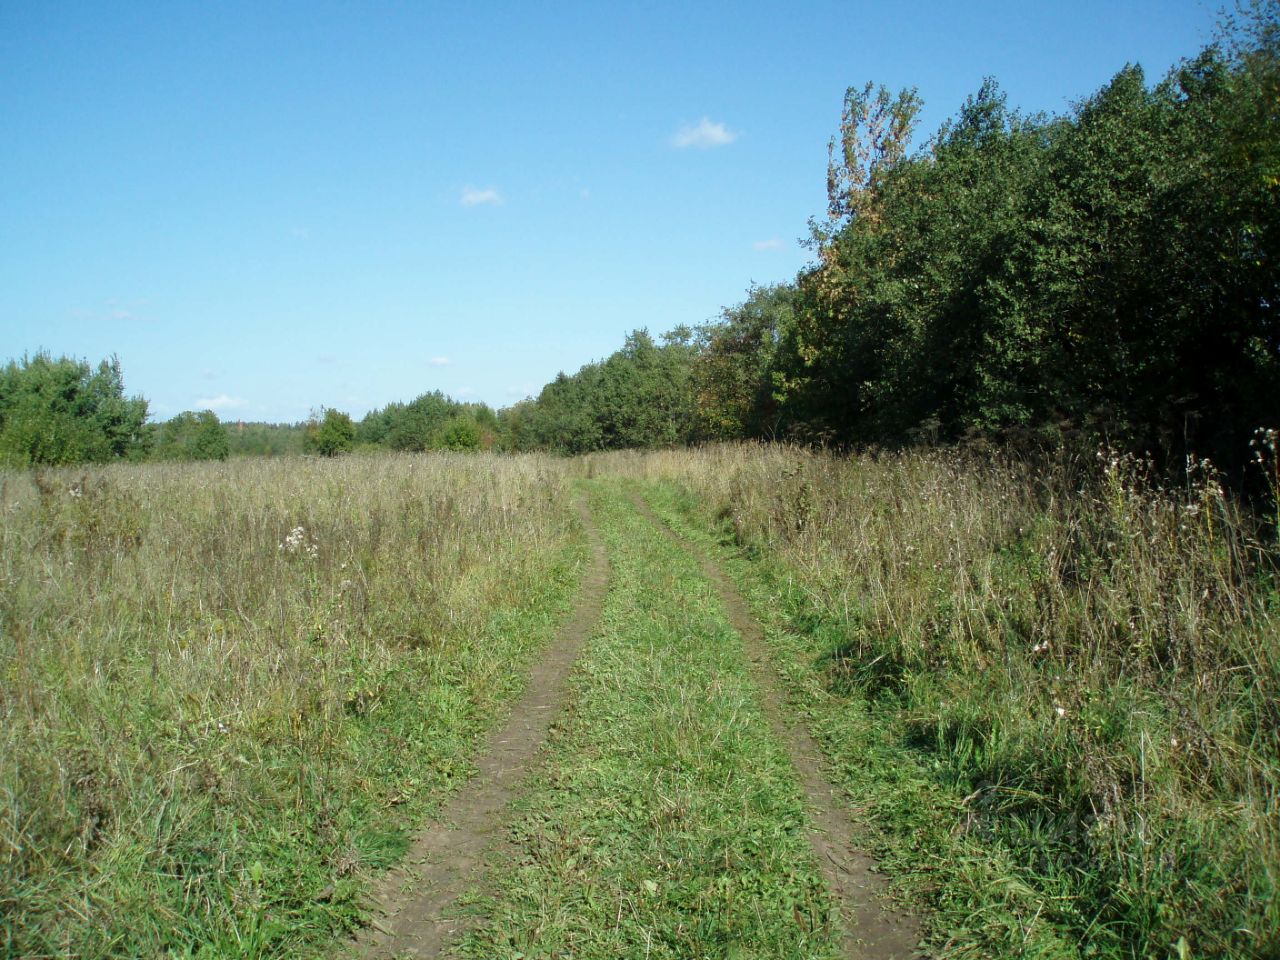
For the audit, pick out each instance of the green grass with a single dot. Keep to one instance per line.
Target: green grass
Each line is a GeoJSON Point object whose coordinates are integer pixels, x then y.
{"type": "Point", "coordinates": [968, 889]}
{"type": "Point", "coordinates": [666, 821]}
{"type": "Point", "coordinates": [1052, 692]}
{"type": "Point", "coordinates": [208, 741]}
{"type": "Point", "coordinates": [1053, 695]}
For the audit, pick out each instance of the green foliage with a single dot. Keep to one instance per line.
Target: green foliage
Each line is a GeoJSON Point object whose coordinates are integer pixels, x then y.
{"type": "Point", "coordinates": [63, 411]}
{"type": "Point", "coordinates": [330, 434]}
{"type": "Point", "coordinates": [460, 433]}
{"type": "Point", "coordinates": [192, 436]}
{"type": "Point", "coordinates": [641, 396]}
{"type": "Point", "coordinates": [1113, 271]}
{"type": "Point", "coordinates": [737, 362]}
{"type": "Point", "coordinates": [265, 439]}
{"type": "Point", "coordinates": [430, 422]}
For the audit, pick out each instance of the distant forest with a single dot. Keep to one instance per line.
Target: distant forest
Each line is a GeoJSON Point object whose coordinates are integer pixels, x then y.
{"type": "Point", "coordinates": [1107, 275]}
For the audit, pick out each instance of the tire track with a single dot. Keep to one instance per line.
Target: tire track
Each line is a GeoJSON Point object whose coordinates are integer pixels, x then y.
{"type": "Point", "coordinates": [872, 929]}
{"type": "Point", "coordinates": [445, 859]}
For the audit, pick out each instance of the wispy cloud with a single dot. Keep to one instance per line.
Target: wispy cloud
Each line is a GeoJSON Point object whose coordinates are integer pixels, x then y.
{"type": "Point", "coordinates": [221, 402]}
{"type": "Point", "coordinates": [773, 243]}
{"type": "Point", "coordinates": [475, 197]}
{"type": "Point", "coordinates": [439, 361]}
{"type": "Point", "coordinates": [703, 135]}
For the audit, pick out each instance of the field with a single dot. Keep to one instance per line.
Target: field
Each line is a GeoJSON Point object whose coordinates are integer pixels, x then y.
{"type": "Point", "coordinates": [1045, 697]}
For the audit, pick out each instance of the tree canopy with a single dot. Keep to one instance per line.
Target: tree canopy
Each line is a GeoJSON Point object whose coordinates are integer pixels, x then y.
{"type": "Point", "coordinates": [65, 411]}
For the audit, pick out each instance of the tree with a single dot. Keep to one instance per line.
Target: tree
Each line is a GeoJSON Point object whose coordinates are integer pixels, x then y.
{"type": "Point", "coordinates": [1112, 272]}
{"type": "Point", "coordinates": [460, 433]}
{"type": "Point", "coordinates": [63, 411]}
{"type": "Point", "coordinates": [330, 434]}
{"type": "Point", "coordinates": [192, 436]}
{"type": "Point", "coordinates": [734, 370]}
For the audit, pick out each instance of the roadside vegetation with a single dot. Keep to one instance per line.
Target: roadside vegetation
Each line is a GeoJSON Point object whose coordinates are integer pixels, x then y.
{"type": "Point", "coordinates": [1054, 688]}
{"type": "Point", "coordinates": [229, 691]}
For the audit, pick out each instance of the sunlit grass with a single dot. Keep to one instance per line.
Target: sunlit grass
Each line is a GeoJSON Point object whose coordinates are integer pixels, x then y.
{"type": "Point", "coordinates": [667, 821]}
{"type": "Point", "coordinates": [1064, 677]}
{"type": "Point", "coordinates": [225, 690]}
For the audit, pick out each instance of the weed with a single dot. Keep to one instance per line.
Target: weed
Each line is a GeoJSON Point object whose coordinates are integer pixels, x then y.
{"type": "Point", "coordinates": [1053, 686]}
{"type": "Point", "coordinates": [228, 691]}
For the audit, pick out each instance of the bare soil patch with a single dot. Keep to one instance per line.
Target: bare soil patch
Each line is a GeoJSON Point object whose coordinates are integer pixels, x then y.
{"type": "Point", "coordinates": [413, 899]}
{"type": "Point", "coordinates": [873, 928]}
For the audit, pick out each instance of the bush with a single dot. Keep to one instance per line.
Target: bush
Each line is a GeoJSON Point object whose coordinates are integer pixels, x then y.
{"type": "Point", "coordinates": [63, 411]}
{"type": "Point", "coordinates": [330, 435]}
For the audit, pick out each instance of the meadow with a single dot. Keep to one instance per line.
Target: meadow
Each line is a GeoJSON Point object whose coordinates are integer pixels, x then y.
{"type": "Point", "coordinates": [228, 690]}
{"type": "Point", "coordinates": [1049, 691]}
{"type": "Point", "coordinates": [1054, 687]}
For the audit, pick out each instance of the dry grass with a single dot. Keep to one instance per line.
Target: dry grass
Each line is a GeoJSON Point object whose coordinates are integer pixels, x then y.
{"type": "Point", "coordinates": [221, 685]}
{"type": "Point", "coordinates": [1091, 662]}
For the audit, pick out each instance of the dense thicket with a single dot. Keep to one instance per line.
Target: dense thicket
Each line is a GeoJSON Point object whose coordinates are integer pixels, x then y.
{"type": "Point", "coordinates": [329, 433]}
{"type": "Point", "coordinates": [255, 439]}
{"type": "Point", "coordinates": [1114, 270]}
{"type": "Point", "coordinates": [65, 411]}
{"type": "Point", "coordinates": [641, 396]}
{"type": "Point", "coordinates": [191, 436]}
{"type": "Point", "coordinates": [431, 422]}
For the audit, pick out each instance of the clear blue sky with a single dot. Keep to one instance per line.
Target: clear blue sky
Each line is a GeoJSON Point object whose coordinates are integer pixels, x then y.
{"type": "Point", "coordinates": [265, 208]}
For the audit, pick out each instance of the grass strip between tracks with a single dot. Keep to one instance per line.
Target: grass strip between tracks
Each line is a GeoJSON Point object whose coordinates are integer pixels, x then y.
{"type": "Point", "coordinates": [666, 820]}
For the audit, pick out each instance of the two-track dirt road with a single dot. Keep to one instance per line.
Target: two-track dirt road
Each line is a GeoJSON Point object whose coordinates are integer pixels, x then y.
{"type": "Point", "coordinates": [602, 821]}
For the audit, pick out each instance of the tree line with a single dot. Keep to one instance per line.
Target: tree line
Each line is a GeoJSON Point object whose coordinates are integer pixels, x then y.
{"type": "Point", "coordinates": [1108, 274]}
{"type": "Point", "coordinates": [66, 411]}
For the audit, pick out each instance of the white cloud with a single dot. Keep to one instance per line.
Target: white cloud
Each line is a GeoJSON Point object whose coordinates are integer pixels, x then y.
{"type": "Point", "coordinates": [475, 197]}
{"type": "Point", "coordinates": [466, 392]}
{"type": "Point", "coordinates": [703, 135]}
{"type": "Point", "coordinates": [221, 402]}
{"type": "Point", "coordinates": [773, 243]}
{"type": "Point", "coordinates": [439, 361]}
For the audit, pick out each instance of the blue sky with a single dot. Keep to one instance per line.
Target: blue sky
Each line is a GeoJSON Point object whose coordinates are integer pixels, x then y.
{"type": "Point", "coordinates": [265, 208]}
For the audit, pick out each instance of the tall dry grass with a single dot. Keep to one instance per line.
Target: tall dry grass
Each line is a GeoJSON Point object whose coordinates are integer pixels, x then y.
{"type": "Point", "coordinates": [221, 685]}
{"type": "Point", "coordinates": [1091, 659]}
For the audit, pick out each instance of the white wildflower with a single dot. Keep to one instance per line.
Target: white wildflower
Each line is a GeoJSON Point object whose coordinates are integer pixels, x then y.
{"type": "Point", "coordinates": [297, 543]}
